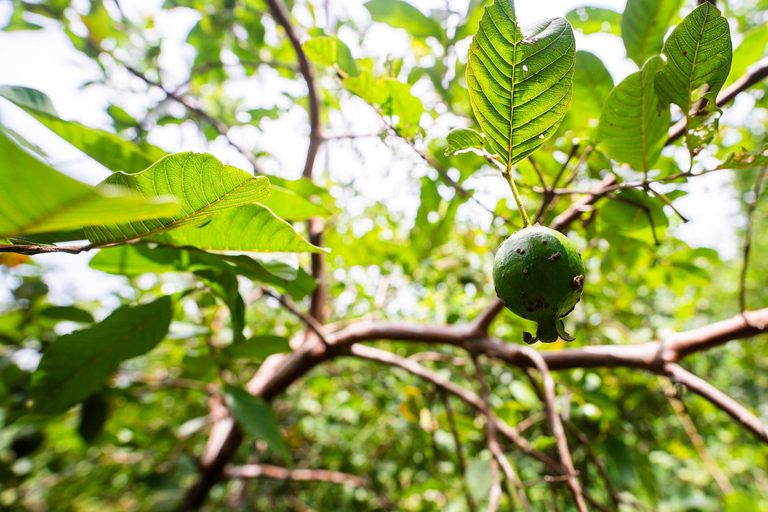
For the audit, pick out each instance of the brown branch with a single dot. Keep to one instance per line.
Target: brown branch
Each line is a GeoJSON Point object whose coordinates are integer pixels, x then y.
{"type": "Point", "coordinates": [511, 433]}
{"type": "Point", "coordinates": [295, 475]}
{"type": "Point", "coordinates": [748, 240]}
{"type": "Point", "coordinates": [188, 103]}
{"type": "Point", "coordinates": [282, 16]}
{"type": "Point", "coordinates": [556, 425]}
{"type": "Point", "coordinates": [497, 455]}
{"type": "Point", "coordinates": [730, 406]}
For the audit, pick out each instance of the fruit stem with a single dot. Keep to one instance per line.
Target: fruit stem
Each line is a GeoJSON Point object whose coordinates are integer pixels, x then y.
{"type": "Point", "coordinates": [508, 174]}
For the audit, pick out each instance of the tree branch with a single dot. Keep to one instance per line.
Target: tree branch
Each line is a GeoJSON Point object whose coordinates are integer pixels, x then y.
{"type": "Point", "coordinates": [282, 16]}
{"type": "Point", "coordinates": [496, 452]}
{"type": "Point", "coordinates": [706, 390]}
{"type": "Point", "coordinates": [295, 475]}
{"type": "Point", "coordinates": [556, 425]}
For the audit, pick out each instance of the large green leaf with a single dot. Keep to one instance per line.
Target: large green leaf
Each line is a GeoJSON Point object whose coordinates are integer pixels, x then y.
{"type": "Point", "coordinates": [643, 26]}
{"type": "Point", "coordinates": [35, 198]}
{"type": "Point", "coordinates": [520, 81]}
{"type": "Point", "coordinates": [251, 227]}
{"type": "Point", "coordinates": [202, 185]}
{"type": "Point", "coordinates": [399, 14]}
{"type": "Point", "coordinates": [109, 149]}
{"type": "Point", "coordinates": [256, 418]}
{"type": "Point", "coordinates": [634, 123]}
{"type": "Point", "coordinates": [132, 260]}
{"type": "Point", "coordinates": [698, 54]}
{"type": "Point", "coordinates": [592, 83]}
{"type": "Point", "coordinates": [77, 364]}
{"type": "Point", "coordinates": [590, 20]}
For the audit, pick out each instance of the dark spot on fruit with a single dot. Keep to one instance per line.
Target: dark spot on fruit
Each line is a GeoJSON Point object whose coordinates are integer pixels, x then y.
{"type": "Point", "coordinates": [555, 310]}
{"type": "Point", "coordinates": [685, 53]}
{"type": "Point", "coordinates": [578, 283]}
{"type": "Point", "coordinates": [525, 271]}
{"type": "Point", "coordinates": [579, 254]}
{"type": "Point", "coordinates": [555, 257]}
{"type": "Point", "coordinates": [530, 310]}
{"type": "Point", "coordinates": [503, 275]}
{"type": "Point", "coordinates": [519, 250]}
{"type": "Point", "coordinates": [544, 242]}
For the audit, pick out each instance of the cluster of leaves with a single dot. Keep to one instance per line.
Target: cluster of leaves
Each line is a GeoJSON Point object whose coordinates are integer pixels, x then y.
{"type": "Point", "coordinates": [140, 418]}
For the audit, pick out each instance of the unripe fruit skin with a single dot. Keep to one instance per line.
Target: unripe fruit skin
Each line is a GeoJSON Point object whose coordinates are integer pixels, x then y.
{"type": "Point", "coordinates": [539, 275]}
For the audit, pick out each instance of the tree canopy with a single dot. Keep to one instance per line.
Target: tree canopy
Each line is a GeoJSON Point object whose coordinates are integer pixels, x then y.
{"type": "Point", "coordinates": [300, 203]}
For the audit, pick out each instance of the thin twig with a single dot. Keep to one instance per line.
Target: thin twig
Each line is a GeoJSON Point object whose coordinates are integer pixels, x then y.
{"type": "Point", "coordinates": [748, 239]}
{"type": "Point", "coordinates": [309, 321]}
{"type": "Point", "coordinates": [724, 402]}
{"type": "Point", "coordinates": [497, 455]}
{"type": "Point", "coordinates": [556, 425]}
{"type": "Point", "coordinates": [693, 434]}
{"type": "Point", "coordinates": [459, 449]}
{"type": "Point", "coordinates": [642, 208]}
{"type": "Point", "coordinates": [282, 16]}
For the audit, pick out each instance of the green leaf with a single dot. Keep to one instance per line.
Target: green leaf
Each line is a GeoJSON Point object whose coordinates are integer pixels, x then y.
{"type": "Point", "coordinates": [256, 418]}
{"type": "Point", "coordinates": [109, 149]}
{"type": "Point", "coordinates": [634, 123]}
{"type": "Point", "coordinates": [69, 313]}
{"type": "Point", "coordinates": [331, 51]}
{"type": "Point", "coordinates": [643, 26]}
{"type": "Point", "coordinates": [35, 198]}
{"type": "Point", "coordinates": [395, 99]}
{"type": "Point", "coordinates": [740, 502]}
{"type": "Point", "coordinates": [520, 81]}
{"type": "Point", "coordinates": [290, 205]}
{"type": "Point", "coordinates": [590, 20]}
{"type": "Point", "coordinates": [223, 284]}
{"type": "Point", "coordinates": [745, 160]}
{"type": "Point", "coordinates": [461, 140]}
{"type": "Point", "coordinates": [251, 227]}
{"type": "Point", "coordinates": [76, 365]}
{"type": "Point", "coordinates": [132, 260]}
{"type": "Point", "coordinates": [592, 83]}
{"type": "Point", "coordinates": [628, 217]}
{"type": "Point", "coordinates": [93, 416]}
{"type": "Point", "coordinates": [752, 48]}
{"type": "Point", "coordinates": [399, 14]}
{"type": "Point", "coordinates": [698, 54]}
{"type": "Point", "coordinates": [28, 98]}
{"type": "Point", "coordinates": [258, 347]}
{"type": "Point", "coordinates": [202, 185]}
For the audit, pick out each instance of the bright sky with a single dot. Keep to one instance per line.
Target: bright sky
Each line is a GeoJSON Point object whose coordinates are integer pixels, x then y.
{"type": "Point", "coordinates": [46, 60]}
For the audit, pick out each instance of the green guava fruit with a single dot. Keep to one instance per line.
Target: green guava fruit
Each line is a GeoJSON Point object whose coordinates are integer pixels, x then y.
{"type": "Point", "coordinates": [539, 275]}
